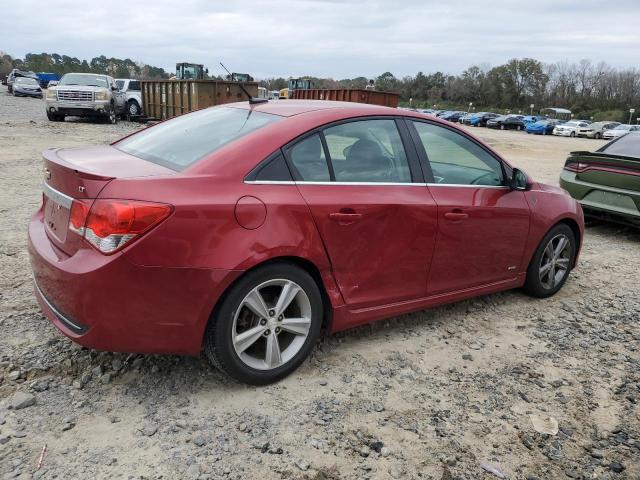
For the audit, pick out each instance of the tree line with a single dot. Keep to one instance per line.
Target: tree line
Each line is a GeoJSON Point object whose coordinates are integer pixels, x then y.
{"type": "Point", "coordinates": [61, 64]}
{"type": "Point", "coordinates": [588, 89]}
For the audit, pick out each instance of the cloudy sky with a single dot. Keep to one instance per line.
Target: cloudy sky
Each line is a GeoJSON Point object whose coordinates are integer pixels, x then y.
{"type": "Point", "coordinates": [329, 38]}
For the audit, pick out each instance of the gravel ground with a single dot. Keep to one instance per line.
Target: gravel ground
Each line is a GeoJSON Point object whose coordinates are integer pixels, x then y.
{"type": "Point", "coordinates": [451, 393]}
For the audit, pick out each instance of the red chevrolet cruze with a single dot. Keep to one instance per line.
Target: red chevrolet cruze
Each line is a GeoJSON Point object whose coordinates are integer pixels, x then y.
{"type": "Point", "coordinates": [242, 230]}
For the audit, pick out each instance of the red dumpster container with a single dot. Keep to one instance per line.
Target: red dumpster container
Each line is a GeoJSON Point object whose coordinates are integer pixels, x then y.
{"type": "Point", "coordinates": [387, 99]}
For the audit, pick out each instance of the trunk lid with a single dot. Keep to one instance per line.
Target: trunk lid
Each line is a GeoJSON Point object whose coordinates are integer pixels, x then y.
{"type": "Point", "coordinates": [81, 174]}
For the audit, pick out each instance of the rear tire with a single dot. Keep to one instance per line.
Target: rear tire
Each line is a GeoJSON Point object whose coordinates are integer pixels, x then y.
{"type": "Point", "coordinates": [597, 136]}
{"type": "Point", "coordinates": [296, 327]}
{"type": "Point", "coordinates": [552, 262]}
{"type": "Point", "coordinates": [572, 134]}
{"type": "Point", "coordinates": [133, 109]}
{"type": "Point", "coordinates": [501, 127]}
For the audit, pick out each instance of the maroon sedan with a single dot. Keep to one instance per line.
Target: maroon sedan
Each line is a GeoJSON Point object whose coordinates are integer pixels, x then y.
{"type": "Point", "coordinates": [243, 230]}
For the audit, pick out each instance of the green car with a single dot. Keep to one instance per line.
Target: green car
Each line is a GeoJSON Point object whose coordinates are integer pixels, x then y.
{"type": "Point", "coordinates": [607, 182]}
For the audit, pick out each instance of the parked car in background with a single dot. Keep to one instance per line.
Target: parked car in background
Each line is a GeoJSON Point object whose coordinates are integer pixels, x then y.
{"type": "Point", "coordinates": [243, 237]}
{"type": "Point", "coordinates": [464, 119]}
{"type": "Point", "coordinates": [15, 73]}
{"type": "Point", "coordinates": [133, 92]}
{"type": "Point", "coordinates": [570, 129]}
{"type": "Point", "coordinates": [595, 130]}
{"type": "Point", "coordinates": [506, 122]}
{"type": "Point", "coordinates": [529, 119]}
{"type": "Point", "coordinates": [607, 182]}
{"type": "Point", "coordinates": [481, 119]}
{"type": "Point", "coordinates": [619, 131]}
{"type": "Point", "coordinates": [85, 95]}
{"type": "Point", "coordinates": [453, 117]}
{"type": "Point", "coordinates": [26, 87]}
{"type": "Point", "coordinates": [543, 127]}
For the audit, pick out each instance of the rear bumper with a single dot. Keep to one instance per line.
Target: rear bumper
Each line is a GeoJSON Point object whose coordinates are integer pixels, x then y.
{"type": "Point", "coordinates": [601, 199]}
{"type": "Point", "coordinates": [109, 303]}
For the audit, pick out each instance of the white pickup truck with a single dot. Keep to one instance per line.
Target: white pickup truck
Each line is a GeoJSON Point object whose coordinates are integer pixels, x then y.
{"type": "Point", "coordinates": [131, 88]}
{"type": "Point", "coordinates": [85, 95]}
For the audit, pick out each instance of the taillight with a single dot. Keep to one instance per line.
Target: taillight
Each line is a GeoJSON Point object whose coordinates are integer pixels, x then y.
{"type": "Point", "coordinates": [109, 225]}
{"type": "Point", "coordinates": [78, 216]}
{"type": "Point", "coordinates": [576, 167]}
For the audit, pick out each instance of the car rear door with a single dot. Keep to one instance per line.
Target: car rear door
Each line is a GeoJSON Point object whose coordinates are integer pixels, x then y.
{"type": "Point", "coordinates": [482, 224]}
{"type": "Point", "coordinates": [364, 186]}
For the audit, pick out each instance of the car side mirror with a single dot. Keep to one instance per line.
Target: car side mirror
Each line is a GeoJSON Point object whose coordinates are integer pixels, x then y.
{"type": "Point", "coordinates": [519, 180]}
{"type": "Point", "coordinates": [114, 88]}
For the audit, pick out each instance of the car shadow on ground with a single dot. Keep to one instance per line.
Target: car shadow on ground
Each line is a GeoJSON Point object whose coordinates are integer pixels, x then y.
{"type": "Point", "coordinates": [607, 228]}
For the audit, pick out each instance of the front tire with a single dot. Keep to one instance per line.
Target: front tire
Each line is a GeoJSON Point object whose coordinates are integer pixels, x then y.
{"type": "Point", "coordinates": [111, 117]}
{"type": "Point", "coordinates": [266, 324]}
{"type": "Point", "coordinates": [55, 117]}
{"type": "Point", "coordinates": [552, 262]}
{"type": "Point", "coordinates": [572, 134]}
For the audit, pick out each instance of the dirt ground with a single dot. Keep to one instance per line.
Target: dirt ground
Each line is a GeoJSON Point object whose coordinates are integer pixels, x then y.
{"type": "Point", "coordinates": [450, 393]}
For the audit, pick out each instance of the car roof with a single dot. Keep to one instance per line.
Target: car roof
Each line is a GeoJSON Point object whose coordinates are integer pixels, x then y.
{"type": "Point", "coordinates": [289, 108]}
{"type": "Point", "coordinates": [300, 116]}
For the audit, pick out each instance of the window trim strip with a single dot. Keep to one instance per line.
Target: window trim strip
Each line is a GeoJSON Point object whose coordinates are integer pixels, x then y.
{"type": "Point", "coordinates": [372, 184]}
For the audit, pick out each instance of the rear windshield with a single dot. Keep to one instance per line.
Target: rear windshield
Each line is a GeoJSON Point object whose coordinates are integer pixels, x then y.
{"type": "Point", "coordinates": [627, 145]}
{"type": "Point", "coordinates": [181, 142]}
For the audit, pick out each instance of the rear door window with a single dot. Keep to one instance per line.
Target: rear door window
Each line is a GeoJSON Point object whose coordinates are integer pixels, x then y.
{"type": "Point", "coordinates": [309, 160]}
{"type": "Point", "coordinates": [368, 151]}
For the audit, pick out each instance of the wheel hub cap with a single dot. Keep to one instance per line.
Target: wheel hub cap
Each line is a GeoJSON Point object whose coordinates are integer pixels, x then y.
{"type": "Point", "coordinates": [555, 261]}
{"type": "Point", "coordinates": [271, 324]}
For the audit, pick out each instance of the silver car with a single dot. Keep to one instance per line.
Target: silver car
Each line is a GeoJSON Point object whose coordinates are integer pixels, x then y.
{"type": "Point", "coordinates": [619, 131]}
{"type": "Point", "coordinates": [596, 130]}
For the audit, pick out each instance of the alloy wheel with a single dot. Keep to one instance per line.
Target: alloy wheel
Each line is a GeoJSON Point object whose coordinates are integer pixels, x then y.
{"type": "Point", "coordinates": [555, 261]}
{"type": "Point", "coordinates": [271, 324]}
{"type": "Point", "coordinates": [133, 109]}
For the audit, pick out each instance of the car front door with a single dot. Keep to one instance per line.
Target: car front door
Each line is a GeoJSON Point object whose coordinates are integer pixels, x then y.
{"type": "Point", "coordinates": [119, 96]}
{"type": "Point", "coordinates": [369, 201]}
{"type": "Point", "coordinates": [482, 223]}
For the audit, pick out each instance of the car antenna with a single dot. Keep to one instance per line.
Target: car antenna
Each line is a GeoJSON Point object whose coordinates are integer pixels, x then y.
{"type": "Point", "coordinates": [252, 100]}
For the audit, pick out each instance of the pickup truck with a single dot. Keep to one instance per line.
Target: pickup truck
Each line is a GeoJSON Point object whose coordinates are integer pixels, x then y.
{"type": "Point", "coordinates": [85, 95]}
{"type": "Point", "coordinates": [133, 93]}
